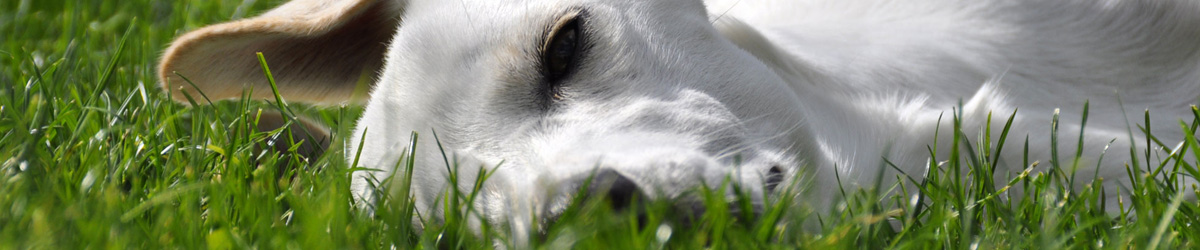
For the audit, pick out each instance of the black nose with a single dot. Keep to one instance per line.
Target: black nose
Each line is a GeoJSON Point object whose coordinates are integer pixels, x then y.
{"type": "Point", "coordinates": [773, 178]}
{"type": "Point", "coordinates": [619, 190]}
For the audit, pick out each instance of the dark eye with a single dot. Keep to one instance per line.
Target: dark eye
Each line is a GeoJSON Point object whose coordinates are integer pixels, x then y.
{"type": "Point", "coordinates": [560, 51]}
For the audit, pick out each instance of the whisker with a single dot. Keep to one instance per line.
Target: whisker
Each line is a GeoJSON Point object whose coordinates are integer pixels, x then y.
{"type": "Point", "coordinates": [741, 147]}
{"type": "Point", "coordinates": [726, 11]}
{"type": "Point", "coordinates": [739, 124]}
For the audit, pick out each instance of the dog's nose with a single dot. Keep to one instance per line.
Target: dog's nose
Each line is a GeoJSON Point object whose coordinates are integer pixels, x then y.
{"type": "Point", "coordinates": [620, 191]}
{"type": "Point", "coordinates": [772, 180]}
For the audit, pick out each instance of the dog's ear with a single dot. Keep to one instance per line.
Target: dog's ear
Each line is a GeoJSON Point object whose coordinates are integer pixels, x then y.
{"type": "Point", "coordinates": [319, 51]}
{"type": "Point", "coordinates": [752, 41]}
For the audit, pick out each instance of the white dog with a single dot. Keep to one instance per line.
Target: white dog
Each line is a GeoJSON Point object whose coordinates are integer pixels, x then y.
{"type": "Point", "coordinates": [661, 96]}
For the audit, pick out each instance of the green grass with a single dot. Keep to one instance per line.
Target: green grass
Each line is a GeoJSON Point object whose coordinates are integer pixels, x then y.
{"type": "Point", "coordinates": [93, 155]}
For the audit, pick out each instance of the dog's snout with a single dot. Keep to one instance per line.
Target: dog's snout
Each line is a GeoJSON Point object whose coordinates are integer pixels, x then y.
{"type": "Point", "coordinates": [773, 178]}
{"type": "Point", "coordinates": [617, 189]}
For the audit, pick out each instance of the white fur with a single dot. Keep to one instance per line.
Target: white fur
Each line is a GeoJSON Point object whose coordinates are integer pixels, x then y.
{"type": "Point", "coordinates": [673, 91]}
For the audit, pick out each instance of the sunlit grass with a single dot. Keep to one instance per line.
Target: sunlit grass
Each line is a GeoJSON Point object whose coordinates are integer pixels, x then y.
{"type": "Point", "coordinates": [92, 154]}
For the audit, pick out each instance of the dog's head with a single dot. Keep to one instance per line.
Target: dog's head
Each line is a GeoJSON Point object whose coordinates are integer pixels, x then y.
{"type": "Point", "coordinates": [650, 97]}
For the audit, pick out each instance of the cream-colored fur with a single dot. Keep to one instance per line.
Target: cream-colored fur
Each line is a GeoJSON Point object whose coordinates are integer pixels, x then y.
{"type": "Point", "coordinates": [674, 94]}
{"type": "Point", "coordinates": [320, 49]}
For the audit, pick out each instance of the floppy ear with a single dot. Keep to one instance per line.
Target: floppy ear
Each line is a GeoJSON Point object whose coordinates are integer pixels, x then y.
{"type": "Point", "coordinates": [752, 41]}
{"type": "Point", "coordinates": [318, 51]}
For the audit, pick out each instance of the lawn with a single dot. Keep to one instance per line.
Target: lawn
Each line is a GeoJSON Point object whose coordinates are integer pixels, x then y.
{"type": "Point", "coordinates": [94, 155]}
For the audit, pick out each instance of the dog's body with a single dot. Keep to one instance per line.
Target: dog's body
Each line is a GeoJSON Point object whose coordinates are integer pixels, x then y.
{"type": "Point", "coordinates": [673, 94]}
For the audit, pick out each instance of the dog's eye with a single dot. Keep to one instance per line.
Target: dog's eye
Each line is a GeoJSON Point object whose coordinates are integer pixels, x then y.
{"type": "Point", "coordinates": [560, 50]}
